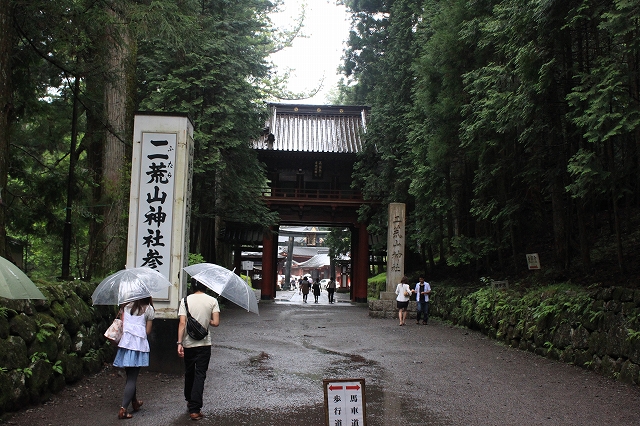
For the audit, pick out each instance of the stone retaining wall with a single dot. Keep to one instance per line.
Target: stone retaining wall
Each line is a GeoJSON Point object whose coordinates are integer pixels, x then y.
{"type": "Point", "coordinates": [45, 344]}
{"type": "Point", "coordinates": [596, 329]}
{"type": "Point", "coordinates": [387, 309]}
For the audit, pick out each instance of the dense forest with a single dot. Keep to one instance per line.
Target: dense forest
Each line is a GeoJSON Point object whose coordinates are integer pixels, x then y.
{"type": "Point", "coordinates": [507, 127]}
{"type": "Point", "coordinates": [74, 72]}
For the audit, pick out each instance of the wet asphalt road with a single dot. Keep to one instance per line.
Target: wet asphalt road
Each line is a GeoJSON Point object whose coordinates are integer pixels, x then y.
{"type": "Point", "coordinates": [269, 370]}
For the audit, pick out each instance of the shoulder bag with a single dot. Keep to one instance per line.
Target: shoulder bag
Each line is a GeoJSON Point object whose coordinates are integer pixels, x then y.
{"type": "Point", "coordinates": [407, 293]}
{"type": "Point", "coordinates": [114, 332]}
{"type": "Point", "coordinates": [195, 330]}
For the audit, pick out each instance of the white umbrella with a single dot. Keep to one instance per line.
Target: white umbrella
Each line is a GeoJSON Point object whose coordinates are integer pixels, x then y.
{"type": "Point", "coordinates": [15, 284]}
{"type": "Point", "coordinates": [128, 285]}
{"type": "Point", "coordinates": [225, 283]}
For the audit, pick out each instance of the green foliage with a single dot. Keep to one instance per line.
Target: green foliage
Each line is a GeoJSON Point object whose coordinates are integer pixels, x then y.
{"type": "Point", "coordinates": [27, 371]}
{"type": "Point", "coordinates": [339, 242]}
{"type": "Point", "coordinates": [195, 258]}
{"type": "Point", "coordinates": [588, 175]}
{"type": "Point", "coordinates": [4, 311]}
{"type": "Point", "coordinates": [375, 285]}
{"type": "Point", "coordinates": [36, 356]}
{"type": "Point", "coordinates": [214, 77]}
{"type": "Point", "coordinates": [633, 335]}
{"type": "Point", "coordinates": [247, 279]}
{"type": "Point", "coordinates": [500, 134]}
{"type": "Point", "coordinates": [91, 355]}
{"type": "Point", "coordinates": [44, 330]}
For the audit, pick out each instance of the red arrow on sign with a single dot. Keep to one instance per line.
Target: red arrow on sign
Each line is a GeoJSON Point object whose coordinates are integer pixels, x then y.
{"type": "Point", "coordinates": [353, 387]}
{"type": "Point", "coordinates": [336, 387]}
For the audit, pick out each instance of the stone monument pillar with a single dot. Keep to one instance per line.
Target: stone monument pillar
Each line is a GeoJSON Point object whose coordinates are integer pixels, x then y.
{"type": "Point", "coordinates": [395, 249]}
{"type": "Point", "coordinates": [159, 211]}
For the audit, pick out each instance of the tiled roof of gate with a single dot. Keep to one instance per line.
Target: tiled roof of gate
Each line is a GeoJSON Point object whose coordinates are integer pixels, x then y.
{"type": "Point", "coordinates": [314, 128]}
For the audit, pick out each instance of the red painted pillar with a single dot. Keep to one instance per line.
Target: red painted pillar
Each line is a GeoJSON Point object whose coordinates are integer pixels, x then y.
{"type": "Point", "coordinates": [269, 243]}
{"type": "Point", "coordinates": [361, 265]}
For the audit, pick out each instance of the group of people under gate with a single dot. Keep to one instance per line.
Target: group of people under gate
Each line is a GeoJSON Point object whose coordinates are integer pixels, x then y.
{"type": "Point", "coordinates": [304, 287]}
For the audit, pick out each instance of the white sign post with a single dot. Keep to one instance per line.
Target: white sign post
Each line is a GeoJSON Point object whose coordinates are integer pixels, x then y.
{"type": "Point", "coordinates": [344, 401]}
{"type": "Point", "coordinates": [533, 261]}
{"type": "Point", "coordinates": [161, 171]}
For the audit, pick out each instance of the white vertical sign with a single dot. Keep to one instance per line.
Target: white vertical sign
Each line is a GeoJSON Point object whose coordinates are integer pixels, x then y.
{"type": "Point", "coordinates": [161, 172]}
{"type": "Point", "coordinates": [345, 403]}
{"type": "Point", "coordinates": [533, 261]}
{"type": "Point", "coordinates": [156, 195]}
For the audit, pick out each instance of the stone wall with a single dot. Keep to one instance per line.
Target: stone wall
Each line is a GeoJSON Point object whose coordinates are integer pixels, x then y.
{"type": "Point", "coordinates": [386, 308]}
{"type": "Point", "coordinates": [597, 329]}
{"type": "Point", "coordinates": [45, 344]}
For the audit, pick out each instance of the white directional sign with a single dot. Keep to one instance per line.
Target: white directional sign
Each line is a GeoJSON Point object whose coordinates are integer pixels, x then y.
{"type": "Point", "coordinates": [344, 401]}
{"type": "Point", "coordinates": [533, 261]}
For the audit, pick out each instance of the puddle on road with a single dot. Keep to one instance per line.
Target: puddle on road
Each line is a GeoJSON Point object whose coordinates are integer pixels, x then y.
{"type": "Point", "coordinates": [293, 413]}
{"type": "Point", "coordinates": [292, 391]}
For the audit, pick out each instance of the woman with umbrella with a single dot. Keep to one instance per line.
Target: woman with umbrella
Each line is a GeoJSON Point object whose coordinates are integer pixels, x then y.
{"type": "Point", "coordinates": [133, 349]}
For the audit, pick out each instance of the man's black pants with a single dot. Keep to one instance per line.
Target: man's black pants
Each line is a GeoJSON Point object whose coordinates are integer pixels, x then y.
{"type": "Point", "coordinates": [196, 363]}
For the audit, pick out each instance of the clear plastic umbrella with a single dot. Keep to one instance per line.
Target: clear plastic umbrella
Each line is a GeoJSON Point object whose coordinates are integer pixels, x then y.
{"type": "Point", "coordinates": [15, 284]}
{"type": "Point", "coordinates": [128, 285]}
{"type": "Point", "coordinates": [225, 283]}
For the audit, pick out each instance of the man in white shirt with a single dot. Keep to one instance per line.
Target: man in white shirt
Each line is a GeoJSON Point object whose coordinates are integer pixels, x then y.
{"type": "Point", "coordinates": [196, 353]}
{"type": "Point", "coordinates": [422, 290]}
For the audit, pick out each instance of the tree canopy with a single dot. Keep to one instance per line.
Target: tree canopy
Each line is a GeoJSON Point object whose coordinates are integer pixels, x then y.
{"type": "Point", "coordinates": [507, 126]}
{"type": "Point", "coordinates": [79, 70]}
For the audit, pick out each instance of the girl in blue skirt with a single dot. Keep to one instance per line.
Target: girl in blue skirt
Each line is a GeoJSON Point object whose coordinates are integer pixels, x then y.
{"type": "Point", "coordinates": [133, 349]}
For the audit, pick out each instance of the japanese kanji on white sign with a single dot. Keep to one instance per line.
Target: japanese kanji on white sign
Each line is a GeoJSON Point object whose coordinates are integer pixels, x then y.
{"type": "Point", "coordinates": [344, 401]}
{"type": "Point", "coordinates": [156, 201]}
{"type": "Point", "coordinates": [533, 261]}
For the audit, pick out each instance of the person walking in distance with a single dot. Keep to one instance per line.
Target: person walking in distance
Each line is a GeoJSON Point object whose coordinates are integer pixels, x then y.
{"type": "Point", "coordinates": [331, 288]}
{"type": "Point", "coordinates": [403, 292]}
{"type": "Point", "coordinates": [304, 288]}
{"type": "Point", "coordinates": [196, 353]}
{"type": "Point", "coordinates": [316, 290]}
{"type": "Point", "coordinates": [422, 290]}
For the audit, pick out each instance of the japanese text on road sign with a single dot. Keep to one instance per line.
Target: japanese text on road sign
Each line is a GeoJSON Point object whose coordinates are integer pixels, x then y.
{"type": "Point", "coordinates": [345, 403]}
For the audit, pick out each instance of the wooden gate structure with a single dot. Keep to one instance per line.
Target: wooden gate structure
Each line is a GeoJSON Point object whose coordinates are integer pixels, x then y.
{"type": "Point", "coordinates": [310, 151]}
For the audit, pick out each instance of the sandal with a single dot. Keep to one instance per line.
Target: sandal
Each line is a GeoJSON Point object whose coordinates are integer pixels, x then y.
{"type": "Point", "coordinates": [136, 404]}
{"type": "Point", "coordinates": [123, 415]}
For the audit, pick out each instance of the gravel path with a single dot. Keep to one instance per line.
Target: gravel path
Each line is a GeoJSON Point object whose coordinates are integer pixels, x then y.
{"type": "Point", "coordinates": [268, 370]}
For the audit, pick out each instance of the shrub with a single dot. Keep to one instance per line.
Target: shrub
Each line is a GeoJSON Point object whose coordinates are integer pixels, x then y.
{"type": "Point", "coordinates": [375, 285]}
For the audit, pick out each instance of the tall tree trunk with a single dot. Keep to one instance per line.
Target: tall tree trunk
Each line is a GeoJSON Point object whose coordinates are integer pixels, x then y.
{"type": "Point", "coordinates": [5, 112]}
{"type": "Point", "coordinates": [559, 221]}
{"type": "Point", "coordinates": [614, 202]}
{"type": "Point", "coordinates": [583, 237]}
{"type": "Point", "coordinates": [118, 116]}
{"type": "Point", "coordinates": [71, 183]}
{"type": "Point", "coordinates": [109, 133]}
{"type": "Point", "coordinates": [94, 141]}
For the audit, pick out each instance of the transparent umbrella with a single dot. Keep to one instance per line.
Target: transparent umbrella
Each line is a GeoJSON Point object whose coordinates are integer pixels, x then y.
{"type": "Point", "coordinates": [226, 283]}
{"type": "Point", "coordinates": [128, 285]}
{"type": "Point", "coordinates": [15, 284]}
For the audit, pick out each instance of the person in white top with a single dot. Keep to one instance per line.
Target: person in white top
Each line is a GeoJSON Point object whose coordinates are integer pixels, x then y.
{"type": "Point", "coordinates": [403, 292]}
{"type": "Point", "coordinates": [422, 291]}
{"type": "Point", "coordinates": [133, 349]}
